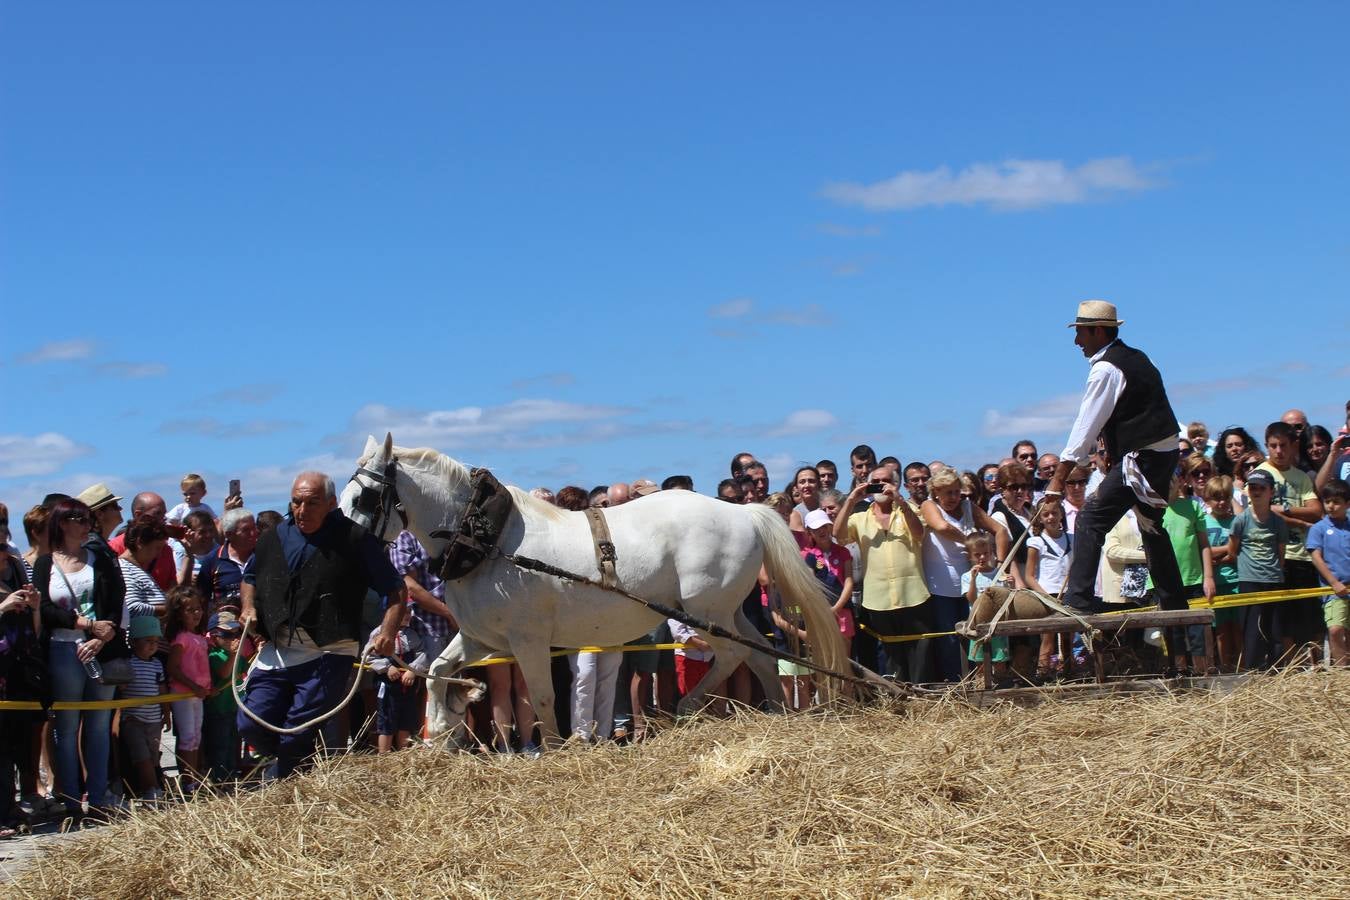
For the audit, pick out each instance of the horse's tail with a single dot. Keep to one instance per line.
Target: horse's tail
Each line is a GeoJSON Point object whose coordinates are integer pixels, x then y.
{"type": "Point", "coordinates": [783, 561]}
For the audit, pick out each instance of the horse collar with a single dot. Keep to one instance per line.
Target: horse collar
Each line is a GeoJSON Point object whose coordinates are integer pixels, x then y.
{"type": "Point", "coordinates": [480, 527]}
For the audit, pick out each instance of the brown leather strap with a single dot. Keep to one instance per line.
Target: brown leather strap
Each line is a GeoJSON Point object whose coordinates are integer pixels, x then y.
{"type": "Point", "coordinates": [605, 554]}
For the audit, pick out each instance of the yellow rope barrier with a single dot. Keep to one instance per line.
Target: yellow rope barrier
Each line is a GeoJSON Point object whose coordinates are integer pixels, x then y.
{"type": "Point", "coordinates": [123, 703]}
{"type": "Point", "coordinates": [1225, 601]}
{"type": "Point", "coordinates": [1222, 601]}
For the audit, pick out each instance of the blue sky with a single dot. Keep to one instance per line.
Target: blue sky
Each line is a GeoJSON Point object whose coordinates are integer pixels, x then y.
{"type": "Point", "coordinates": [605, 242]}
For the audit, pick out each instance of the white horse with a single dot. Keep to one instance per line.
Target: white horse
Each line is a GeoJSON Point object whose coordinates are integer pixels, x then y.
{"type": "Point", "coordinates": [678, 548]}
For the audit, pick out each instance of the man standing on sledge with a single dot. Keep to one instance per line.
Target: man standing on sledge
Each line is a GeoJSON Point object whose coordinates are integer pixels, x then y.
{"type": "Point", "coordinates": [1125, 402]}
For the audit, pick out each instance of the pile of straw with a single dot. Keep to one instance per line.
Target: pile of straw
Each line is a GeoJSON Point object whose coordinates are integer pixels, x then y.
{"type": "Point", "coordinates": [1235, 795]}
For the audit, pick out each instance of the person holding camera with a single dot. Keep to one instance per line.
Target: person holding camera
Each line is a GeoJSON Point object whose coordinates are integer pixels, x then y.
{"type": "Point", "coordinates": [895, 602]}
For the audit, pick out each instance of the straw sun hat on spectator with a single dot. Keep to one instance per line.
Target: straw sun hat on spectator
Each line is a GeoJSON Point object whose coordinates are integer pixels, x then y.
{"type": "Point", "coordinates": [97, 495]}
{"type": "Point", "coordinates": [1093, 313]}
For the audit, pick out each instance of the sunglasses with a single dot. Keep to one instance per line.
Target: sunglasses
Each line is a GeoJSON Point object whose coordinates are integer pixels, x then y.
{"type": "Point", "coordinates": [1076, 482]}
{"type": "Point", "coordinates": [78, 517]}
{"type": "Point", "coordinates": [991, 478]}
{"type": "Point", "coordinates": [1018, 487]}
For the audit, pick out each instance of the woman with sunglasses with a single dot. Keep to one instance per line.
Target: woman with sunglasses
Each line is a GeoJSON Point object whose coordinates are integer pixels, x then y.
{"type": "Point", "coordinates": [1012, 511]}
{"type": "Point", "coordinates": [1241, 469]}
{"type": "Point", "coordinates": [82, 594]}
{"type": "Point", "coordinates": [988, 479]}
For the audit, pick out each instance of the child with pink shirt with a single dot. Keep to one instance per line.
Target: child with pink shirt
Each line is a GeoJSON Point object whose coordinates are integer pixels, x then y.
{"type": "Point", "coordinates": [189, 671]}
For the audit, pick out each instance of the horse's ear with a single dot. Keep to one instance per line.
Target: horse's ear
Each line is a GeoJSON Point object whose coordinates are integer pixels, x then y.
{"type": "Point", "coordinates": [371, 447]}
{"type": "Point", "coordinates": [388, 445]}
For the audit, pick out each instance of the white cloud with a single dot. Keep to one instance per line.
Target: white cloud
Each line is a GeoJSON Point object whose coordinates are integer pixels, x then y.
{"type": "Point", "coordinates": [510, 425]}
{"type": "Point", "coordinates": [60, 351]}
{"type": "Point", "coordinates": [205, 426]}
{"type": "Point", "coordinates": [24, 456]}
{"type": "Point", "coordinates": [812, 315]}
{"type": "Point", "coordinates": [1013, 184]}
{"type": "Point", "coordinates": [133, 370]}
{"type": "Point", "coordinates": [834, 229]}
{"type": "Point", "coordinates": [247, 393]}
{"type": "Point", "coordinates": [802, 421]}
{"type": "Point", "coordinates": [548, 379]}
{"type": "Point", "coordinates": [1053, 416]}
{"type": "Point", "coordinates": [732, 309]}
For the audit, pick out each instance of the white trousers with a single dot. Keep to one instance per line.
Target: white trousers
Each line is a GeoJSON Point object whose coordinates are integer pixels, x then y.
{"type": "Point", "coordinates": [594, 677]}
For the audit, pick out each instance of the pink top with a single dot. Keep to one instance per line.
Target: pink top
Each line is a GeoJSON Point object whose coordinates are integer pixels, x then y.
{"type": "Point", "coordinates": [194, 662]}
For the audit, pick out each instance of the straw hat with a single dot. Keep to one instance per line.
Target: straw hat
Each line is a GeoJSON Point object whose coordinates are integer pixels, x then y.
{"type": "Point", "coordinates": [97, 495]}
{"type": "Point", "coordinates": [1092, 313]}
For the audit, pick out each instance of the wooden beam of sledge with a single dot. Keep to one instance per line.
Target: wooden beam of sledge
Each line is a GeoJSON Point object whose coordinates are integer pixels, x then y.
{"type": "Point", "coordinates": [1112, 623]}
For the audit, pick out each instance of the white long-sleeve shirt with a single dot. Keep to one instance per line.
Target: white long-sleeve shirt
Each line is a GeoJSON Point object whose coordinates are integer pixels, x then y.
{"type": "Point", "coordinates": [1105, 384]}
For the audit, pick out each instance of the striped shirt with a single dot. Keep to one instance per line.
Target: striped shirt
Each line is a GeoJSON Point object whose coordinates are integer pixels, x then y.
{"type": "Point", "coordinates": [147, 680]}
{"type": "Point", "coordinates": [144, 597]}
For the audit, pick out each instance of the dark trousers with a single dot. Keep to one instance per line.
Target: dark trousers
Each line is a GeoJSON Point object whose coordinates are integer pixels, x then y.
{"type": "Point", "coordinates": [908, 660]}
{"type": "Point", "coordinates": [285, 698]}
{"type": "Point", "coordinates": [947, 611]}
{"type": "Point", "coordinates": [1101, 513]}
{"type": "Point", "coordinates": [1260, 635]}
{"type": "Point", "coordinates": [220, 744]}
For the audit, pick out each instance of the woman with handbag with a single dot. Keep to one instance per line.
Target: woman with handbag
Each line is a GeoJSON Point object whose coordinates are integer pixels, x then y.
{"type": "Point", "coordinates": [82, 594]}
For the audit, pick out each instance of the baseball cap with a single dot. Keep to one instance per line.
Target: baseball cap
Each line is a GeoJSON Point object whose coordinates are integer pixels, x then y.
{"type": "Point", "coordinates": [816, 518]}
{"type": "Point", "coordinates": [223, 621]}
{"type": "Point", "coordinates": [144, 627]}
{"type": "Point", "coordinates": [1261, 477]}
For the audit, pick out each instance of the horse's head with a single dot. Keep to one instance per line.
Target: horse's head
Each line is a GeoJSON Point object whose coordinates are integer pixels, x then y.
{"type": "Point", "coordinates": [370, 498]}
{"type": "Point", "coordinates": [395, 488]}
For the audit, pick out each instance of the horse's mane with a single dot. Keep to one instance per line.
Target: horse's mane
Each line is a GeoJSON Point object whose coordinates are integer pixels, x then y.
{"type": "Point", "coordinates": [527, 501]}
{"type": "Point", "coordinates": [455, 473]}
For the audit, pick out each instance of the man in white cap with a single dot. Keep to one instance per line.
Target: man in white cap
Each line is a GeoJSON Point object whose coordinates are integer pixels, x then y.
{"type": "Point", "coordinates": [1125, 402]}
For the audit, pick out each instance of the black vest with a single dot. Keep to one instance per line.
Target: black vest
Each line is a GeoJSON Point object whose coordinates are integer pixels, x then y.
{"type": "Point", "coordinates": [324, 596]}
{"type": "Point", "coordinates": [1143, 414]}
{"type": "Point", "coordinates": [1015, 528]}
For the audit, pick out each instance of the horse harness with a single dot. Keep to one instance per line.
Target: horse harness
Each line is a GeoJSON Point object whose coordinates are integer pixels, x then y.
{"type": "Point", "coordinates": [480, 527]}
{"type": "Point", "coordinates": [605, 554]}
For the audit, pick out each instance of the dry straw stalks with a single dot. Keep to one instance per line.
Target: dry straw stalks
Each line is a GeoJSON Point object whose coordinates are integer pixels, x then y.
{"type": "Point", "coordinates": [1198, 795]}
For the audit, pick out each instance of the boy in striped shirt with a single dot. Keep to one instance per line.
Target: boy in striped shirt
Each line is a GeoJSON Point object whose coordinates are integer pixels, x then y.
{"type": "Point", "coordinates": [141, 725]}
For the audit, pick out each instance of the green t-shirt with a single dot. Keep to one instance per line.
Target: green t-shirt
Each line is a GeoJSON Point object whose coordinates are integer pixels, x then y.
{"type": "Point", "coordinates": [1183, 520]}
{"type": "Point", "coordinates": [223, 700]}
{"type": "Point", "coordinates": [1293, 488]}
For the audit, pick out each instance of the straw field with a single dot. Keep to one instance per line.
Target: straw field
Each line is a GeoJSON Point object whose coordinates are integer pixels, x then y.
{"type": "Point", "coordinates": [1197, 795]}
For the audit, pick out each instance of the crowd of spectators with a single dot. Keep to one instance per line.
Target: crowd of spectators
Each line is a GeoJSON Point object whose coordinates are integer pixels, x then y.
{"type": "Point", "coordinates": [98, 608]}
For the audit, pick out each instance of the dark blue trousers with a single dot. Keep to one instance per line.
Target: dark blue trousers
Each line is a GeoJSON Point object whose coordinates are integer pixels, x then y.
{"type": "Point", "coordinates": [285, 698]}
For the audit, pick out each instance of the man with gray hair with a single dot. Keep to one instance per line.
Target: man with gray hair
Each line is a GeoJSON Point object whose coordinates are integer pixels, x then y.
{"type": "Point", "coordinates": [222, 572]}
{"type": "Point", "coordinates": [305, 587]}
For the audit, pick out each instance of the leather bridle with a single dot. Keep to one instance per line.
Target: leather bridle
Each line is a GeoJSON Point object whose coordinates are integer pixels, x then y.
{"type": "Point", "coordinates": [378, 504]}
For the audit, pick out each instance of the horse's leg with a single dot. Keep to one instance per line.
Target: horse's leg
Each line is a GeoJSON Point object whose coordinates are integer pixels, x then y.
{"type": "Point", "coordinates": [762, 664]}
{"type": "Point", "coordinates": [537, 670]}
{"type": "Point", "coordinates": [727, 655]}
{"type": "Point", "coordinates": [446, 714]}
